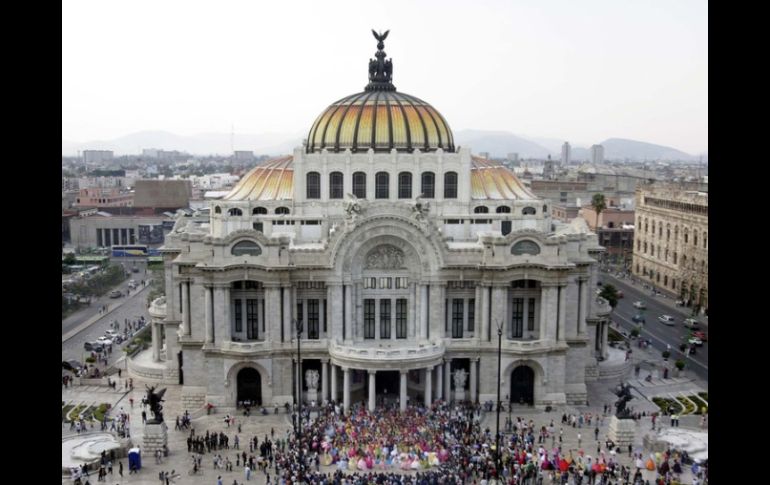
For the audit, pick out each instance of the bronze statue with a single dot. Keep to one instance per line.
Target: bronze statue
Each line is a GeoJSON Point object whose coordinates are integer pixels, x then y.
{"type": "Point", "coordinates": [154, 399]}
{"type": "Point", "coordinates": [380, 70]}
{"type": "Point", "coordinates": [624, 395]}
{"type": "Point", "coordinates": [380, 38]}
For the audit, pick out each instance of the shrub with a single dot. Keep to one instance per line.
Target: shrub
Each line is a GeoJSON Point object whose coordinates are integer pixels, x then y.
{"type": "Point", "coordinates": [679, 364]}
{"type": "Point", "coordinates": [635, 332]}
{"type": "Point", "coordinates": [90, 360]}
{"type": "Point", "coordinates": [666, 354]}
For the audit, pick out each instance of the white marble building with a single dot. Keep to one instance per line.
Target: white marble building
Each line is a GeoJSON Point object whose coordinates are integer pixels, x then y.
{"type": "Point", "coordinates": [399, 254]}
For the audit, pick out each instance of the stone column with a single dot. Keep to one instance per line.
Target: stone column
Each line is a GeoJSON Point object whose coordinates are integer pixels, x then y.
{"type": "Point", "coordinates": [348, 313]}
{"type": "Point", "coordinates": [440, 383]}
{"type": "Point", "coordinates": [605, 328]}
{"type": "Point", "coordinates": [208, 301]}
{"type": "Point", "coordinates": [345, 389]}
{"type": "Point", "coordinates": [423, 289]}
{"type": "Point", "coordinates": [484, 320]}
{"type": "Point", "coordinates": [322, 318]}
{"type": "Point", "coordinates": [224, 327]}
{"type": "Point", "coordinates": [324, 381]}
{"type": "Point", "coordinates": [272, 312]}
{"type": "Point", "coordinates": [287, 313]}
{"type": "Point", "coordinates": [372, 394]}
{"type": "Point", "coordinates": [244, 317]}
{"type": "Point", "coordinates": [562, 309]}
{"type": "Point", "coordinates": [155, 341]}
{"type": "Point", "coordinates": [473, 379]}
{"type": "Point", "coordinates": [334, 327]}
{"type": "Point", "coordinates": [411, 314]}
{"type": "Point", "coordinates": [333, 371]}
{"type": "Point", "coordinates": [186, 308]}
{"type": "Point", "coordinates": [547, 325]}
{"type": "Point", "coordinates": [428, 386]}
{"type": "Point", "coordinates": [447, 377]}
{"type": "Point", "coordinates": [437, 310]}
{"type": "Point", "coordinates": [402, 393]}
{"type": "Point", "coordinates": [582, 296]}
{"type": "Point", "coordinates": [499, 304]}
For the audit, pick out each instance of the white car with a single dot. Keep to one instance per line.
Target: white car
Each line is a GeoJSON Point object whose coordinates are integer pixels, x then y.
{"type": "Point", "coordinates": [691, 323]}
{"type": "Point", "coordinates": [640, 305]}
{"type": "Point", "coordinates": [111, 334]}
{"type": "Point", "coordinates": [695, 341]}
{"type": "Point", "coordinates": [104, 341]}
{"type": "Point", "coordinates": [666, 319]}
{"type": "Point", "coordinates": [132, 284]}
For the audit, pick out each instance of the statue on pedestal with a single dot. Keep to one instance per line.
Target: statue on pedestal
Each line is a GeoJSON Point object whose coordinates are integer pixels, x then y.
{"type": "Point", "coordinates": [624, 395]}
{"type": "Point", "coordinates": [460, 377]}
{"type": "Point", "coordinates": [154, 399]}
{"type": "Point", "coordinates": [311, 379]}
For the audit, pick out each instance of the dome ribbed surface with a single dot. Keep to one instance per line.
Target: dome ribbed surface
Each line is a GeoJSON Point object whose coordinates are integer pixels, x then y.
{"type": "Point", "coordinates": [382, 120]}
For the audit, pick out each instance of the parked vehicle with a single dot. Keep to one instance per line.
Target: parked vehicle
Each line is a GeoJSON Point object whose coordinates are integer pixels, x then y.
{"type": "Point", "coordinates": [132, 284]}
{"type": "Point", "coordinates": [116, 294]}
{"type": "Point", "coordinates": [692, 323]}
{"type": "Point", "coordinates": [93, 346]}
{"type": "Point", "coordinates": [701, 335]}
{"type": "Point", "coordinates": [640, 305]}
{"type": "Point", "coordinates": [695, 341]}
{"type": "Point", "coordinates": [104, 341]}
{"type": "Point", "coordinates": [72, 365]}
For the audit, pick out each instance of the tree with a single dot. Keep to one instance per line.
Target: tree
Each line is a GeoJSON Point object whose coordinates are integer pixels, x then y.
{"type": "Point", "coordinates": [599, 204]}
{"type": "Point", "coordinates": [69, 258]}
{"type": "Point", "coordinates": [610, 293]}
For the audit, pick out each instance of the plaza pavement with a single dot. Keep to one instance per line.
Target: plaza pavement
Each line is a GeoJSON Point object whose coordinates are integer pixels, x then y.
{"type": "Point", "coordinates": [599, 393]}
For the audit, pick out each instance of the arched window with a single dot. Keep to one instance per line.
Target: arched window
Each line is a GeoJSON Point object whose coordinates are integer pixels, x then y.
{"type": "Point", "coordinates": [313, 188]}
{"type": "Point", "coordinates": [653, 227]}
{"type": "Point", "coordinates": [676, 233]}
{"type": "Point", "coordinates": [525, 247]}
{"type": "Point", "coordinates": [686, 236]}
{"type": "Point", "coordinates": [336, 185]}
{"type": "Point", "coordinates": [405, 185]}
{"type": "Point", "coordinates": [637, 268]}
{"type": "Point", "coordinates": [668, 232]}
{"type": "Point", "coordinates": [381, 185]}
{"type": "Point", "coordinates": [450, 185]}
{"type": "Point", "coordinates": [249, 248]}
{"type": "Point", "coordinates": [545, 209]}
{"type": "Point", "coordinates": [428, 185]}
{"type": "Point", "coordinates": [217, 210]}
{"type": "Point", "coordinates": [235, 212]}
{"type": "Point", "coordinates": [503, 209]}
{"type": "Point", "coordinates": [695, 238]}
{"type": "Point", "coordinates": [705, 240]}
{"type": "Point", "coordinates": [645, 225]}
{"type": "Point", "coordinates": [638, 247]}
{"type": "Point", "coordinates": [259, 211]}
{"type": "Point", "coordinates": [282, 211]}
{"type": "Point", "coordinates": [529, 211]}
{"type": "Point", "coordinates": [675, 257]}
{"type": "Point", "coordinates": [660, 229]}
{"type": "Point", "coordinates": [481, 210]}
{"type": "Point", "coordinates": [645, 247]}
{"type": "Point", "coordinates": [359, 185]}
{"type": "Point", "coordinates": [665, 280]}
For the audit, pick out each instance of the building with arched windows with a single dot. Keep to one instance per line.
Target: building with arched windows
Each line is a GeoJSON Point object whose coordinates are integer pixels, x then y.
{"type": "Point", "coordinates": [399, 255]}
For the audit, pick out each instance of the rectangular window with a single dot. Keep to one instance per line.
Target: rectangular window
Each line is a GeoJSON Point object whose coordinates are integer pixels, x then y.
{"type": "Point", "coordinates": [401, 283]}
{"type": "Point", "coordinates": [457, 318]}
{"type": "Point", "coordinates": [258, 226]}
{"type": "Point", "coordinates": [517, 323]}
{"type": "Point", "coordinates": [531, 315]}
{"type": "Point", "coordinates": [428, 185]}
{"type": "Point", "coordinates": [401, 318]}
{"type": "Point", "coordinates": [252, 330]}
{"type": "Point", "coordinates": [381, 185]}
{"type": "Point", "coordinates": [238, 316]}
{"type": "Point", "coordinates": [370, 283]}
{"type": "Point", "coordinates": [472, 315]}
{"type": "Point", "coordinates": [300, 317]}
{"type": "Point", "coordinates": [386, 283]}
{"type": "Point", "coordinates": [312, 319]}
{"type": "Point", "coordinates": [359, 185]}
{"type": "Point", "coordinates": [369, 318]}
{"type": "Point", "coordinates": [335, 185]}
{"type": "Point", "coordinates": [384, 319]}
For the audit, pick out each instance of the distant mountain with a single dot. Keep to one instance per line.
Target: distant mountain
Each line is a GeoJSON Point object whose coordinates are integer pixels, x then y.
{"type": "Point", "coordinates": [620, 148]}
{"type": "Point", "coordinates": [200, 144]}
{"type": "Point", "coordinates": [499, 144]}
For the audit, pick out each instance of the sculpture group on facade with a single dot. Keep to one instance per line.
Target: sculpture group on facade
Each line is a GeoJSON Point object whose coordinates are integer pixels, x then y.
{"type": "Point", "coordinates": [460, 377]}
{"type": "Point", "coordinates": [385, 257]}
{"type": "Point", "coordinates": [311, 379]}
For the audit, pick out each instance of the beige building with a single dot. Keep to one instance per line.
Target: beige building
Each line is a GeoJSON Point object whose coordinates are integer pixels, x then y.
{"type": "Point", "coordinates": [402, 258]}
{"type": "Point", "coordinates": [671, 242]}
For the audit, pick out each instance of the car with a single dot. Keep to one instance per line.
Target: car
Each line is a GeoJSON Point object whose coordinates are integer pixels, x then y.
{"type": "Point", "coordinates": [134, 269]}
{"type": "Point", "coordinates": [71, 365]}
{"type": "Point", "coordinates": [695, 341]}
{"type": "Point", "coordinates": [104, 341]}
{"type": "Point", "coordinates": [666, 319]}
{"type": "Point", "coordinates": [692, 323]}
{"type": "Point", "coordinates": [111, 333]}
{"type": "Point", "coordinates": [93, 346]}
{"type": "Point", "coordinates": [638, 318]}
{"type": "Point", "coordinates": [116, 294]}
{"type": "Point", "coordinates": [640, 305]}
{"type": "Point", "coordinates": [700, 335]}
{"type": "Point", "coordinates": [620, 294]}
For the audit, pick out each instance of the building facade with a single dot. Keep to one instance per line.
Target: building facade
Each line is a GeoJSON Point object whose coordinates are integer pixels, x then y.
{"type": "Point", "coordinates": [671, 241]}
{"type": "Point", "coordinates": [566, 154]}
{"type": "Point", "coordinates": [104, 197]}
{"type": "Point", "coordinates": [597, 154]}
{"type": "Point", "coordinates": [400, 257]}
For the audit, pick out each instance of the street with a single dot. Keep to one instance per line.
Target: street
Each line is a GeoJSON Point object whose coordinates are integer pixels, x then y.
{"type": "Point", "coordinates": [653, 329]}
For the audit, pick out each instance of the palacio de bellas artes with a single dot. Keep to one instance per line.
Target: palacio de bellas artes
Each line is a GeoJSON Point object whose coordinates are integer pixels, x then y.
{"type": "Point", "coordinates": [398, 257]}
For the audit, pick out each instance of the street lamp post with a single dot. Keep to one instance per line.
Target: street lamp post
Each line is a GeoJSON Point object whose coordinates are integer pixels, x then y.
{"type": "Point", "coordinates": [298, 326]}
{"type": "Point", "coordinates": [497, 434]}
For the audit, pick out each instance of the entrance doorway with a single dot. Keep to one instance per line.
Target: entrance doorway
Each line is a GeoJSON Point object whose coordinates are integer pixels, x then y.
{"type": "Point", "coordinates": [249, 386]}
{"type": "Point", "coordinates": [523, 385]}
{"type": "Point", "coordinates": [388, 382]}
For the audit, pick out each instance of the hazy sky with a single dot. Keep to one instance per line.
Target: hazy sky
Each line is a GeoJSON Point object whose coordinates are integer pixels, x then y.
{"type": "Point", "coordinates": [581, 71]}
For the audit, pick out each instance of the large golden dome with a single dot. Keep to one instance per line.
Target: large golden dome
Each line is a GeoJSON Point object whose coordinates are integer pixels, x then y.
{"type": "Point", "coordinates": [380, 118]}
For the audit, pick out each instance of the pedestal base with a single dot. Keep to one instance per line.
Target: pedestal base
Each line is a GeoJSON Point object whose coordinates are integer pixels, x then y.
{"type": "Point", "coordinates": [155, 438]}
{"type": "Point", "coordinates": [311, 396]}
{"type": "Point", "coordinates": [459, 395]}
{"type": "Point", "coordinates": [622, 431]}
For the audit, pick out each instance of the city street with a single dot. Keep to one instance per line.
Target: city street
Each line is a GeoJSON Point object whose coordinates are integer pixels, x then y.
{"type": "Point", "coordinates": [131, 308]}
{"type": "Point", "coordinates": [653, 329]}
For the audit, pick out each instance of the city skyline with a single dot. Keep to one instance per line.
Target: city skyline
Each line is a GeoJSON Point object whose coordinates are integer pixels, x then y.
{"type": "Point", "coordinates": [578, 73]}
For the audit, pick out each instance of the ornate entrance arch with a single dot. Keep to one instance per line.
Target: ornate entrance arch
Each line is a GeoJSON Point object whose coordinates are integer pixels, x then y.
{"type": "Point", "coordinates": [523, 385]}
{"type": "Point", "coordinates": [249, 386]}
